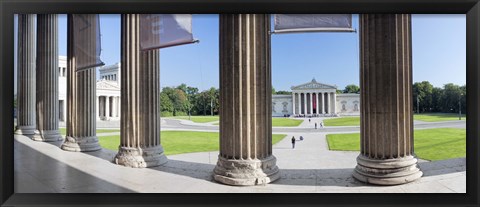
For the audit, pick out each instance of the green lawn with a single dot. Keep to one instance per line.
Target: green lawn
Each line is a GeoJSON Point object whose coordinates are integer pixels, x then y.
{"type": "Point", "coordinates": [63, 131]}
{"type": "Point", "coordinates": [280, 122]}
{"type": "Point", "coordinates": [430, 144]}
{"type": "Point", "coordinates": [432, 117]}
{"type": "Point", "coordinates": [343, 121]}
{"type": "Point", "coordinates": [178, 142]}
{"type": "Point", "coordinates": [198, 119]}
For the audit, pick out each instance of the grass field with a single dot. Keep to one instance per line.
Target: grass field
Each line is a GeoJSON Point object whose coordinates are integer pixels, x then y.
{"type": "Point", "coordinates": [63, 131]}
{"type": "Point", "coordinates": [179, 142]}
{"type": "Point", "coordinates": [429, 144]}
{"type": "Point", "coordinates": [434, 117]}
{"type": "Point", "coordinates": [343, 121]}
{"type": "Point", "coordinates": [198, 119]}
{"type": "Point", "coordinates": [276, 121]}
{"type": "Point", "coordinates": [355, 121]}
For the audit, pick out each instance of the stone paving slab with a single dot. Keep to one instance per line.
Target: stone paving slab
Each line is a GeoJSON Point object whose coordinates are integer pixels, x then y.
{"type": "Point", "coordinates": [310, 167]}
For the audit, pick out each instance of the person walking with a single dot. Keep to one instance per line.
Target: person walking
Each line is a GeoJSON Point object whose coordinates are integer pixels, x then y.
{"type": "Point", "coordinates": [309, 120]}
{"type": "Point", "coordinates": [321, 124]}
{"type": "Point", "coordinates": [315, 125]}
{"type": "Point", "coordinates": [293, 142]}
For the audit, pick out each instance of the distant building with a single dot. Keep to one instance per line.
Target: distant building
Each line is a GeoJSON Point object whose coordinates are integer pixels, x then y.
{"type": "Point", "coordinates": [108, 91]}
{"type": "Point", "coordinates": [305, 95]}
{"type": "Point", "coordinates": [315, 99]}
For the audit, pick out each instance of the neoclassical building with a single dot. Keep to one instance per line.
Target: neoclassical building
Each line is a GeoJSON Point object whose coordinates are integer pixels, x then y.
{"type": "Point", "coordinates": [108, 91]}
{"type": "Point", "coordinates": [315, 99]}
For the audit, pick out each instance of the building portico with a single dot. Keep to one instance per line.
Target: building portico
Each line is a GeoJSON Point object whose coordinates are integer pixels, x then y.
{"type": "Point", "coordinates": [314, 98]}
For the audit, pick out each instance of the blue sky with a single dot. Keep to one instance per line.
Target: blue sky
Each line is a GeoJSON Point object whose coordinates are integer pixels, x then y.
{"type": "Point", "coordinates": [438, 41]}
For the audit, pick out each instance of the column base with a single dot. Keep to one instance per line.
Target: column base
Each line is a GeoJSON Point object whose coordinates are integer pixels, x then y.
{"type": "Point", "coordinates": [25, 130]}
{"type": "Point", "coordinates": [47, 135]}
{"type": "Point", "coordinates": [140, 157]}
{"type": "Point", "coordinates": [387, 172]}
{"type": "Point", "coordinates": [81, 144]}
{"type": "Point", "coordinates": [246, 172]}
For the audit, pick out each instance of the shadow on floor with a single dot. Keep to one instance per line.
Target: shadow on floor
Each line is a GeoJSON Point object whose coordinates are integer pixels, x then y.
{"type": "Point", "coordinates": [36, 172]}
{"type": "Point", "coordinates": [298, 177]}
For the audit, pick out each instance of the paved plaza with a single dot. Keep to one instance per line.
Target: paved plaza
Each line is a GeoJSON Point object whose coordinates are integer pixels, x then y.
{"type": "Point", "coordinates": [42, 167]}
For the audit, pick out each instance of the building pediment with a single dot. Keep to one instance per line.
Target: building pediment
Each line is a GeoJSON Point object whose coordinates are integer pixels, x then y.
{"type": "Point", "coordinates": [313, 85]}
{"type": "Point", "coordinates": [107, 85]}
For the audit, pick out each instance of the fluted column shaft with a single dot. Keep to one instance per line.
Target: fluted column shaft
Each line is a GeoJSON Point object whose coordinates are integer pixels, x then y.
{"type": "Point", "coordinates": [386, 138]}
{"type": "Point", "coordinates": [47, 79]}
{"type": "Point", "coordinates": [245, 97]}
{"type": "Point", "coordinates": [317, 108]}
{"type": "Point", "coordinates": [140, 94]}
{"type": "Point", "coordinates": [26, 123]}
{"type": "Point", "coordinates": [81, 96]}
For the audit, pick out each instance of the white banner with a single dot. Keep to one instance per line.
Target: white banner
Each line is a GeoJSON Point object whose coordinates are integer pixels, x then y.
{"type": "Point", "coordinates": [86, 38]}
{"type": "Point", "coordinates": [289, 23]}
{"type": "Point", "coordinates": [165, 30]}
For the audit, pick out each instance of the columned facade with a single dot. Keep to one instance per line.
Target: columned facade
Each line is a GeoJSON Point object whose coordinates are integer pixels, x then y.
{"type": "Point", "coordinates": [318, 99]}
{"type": "Point", "coordinates": [81, 98]}
{"type": "Point", "coordinates": [386, 133]}
{"type": "Point", "coordinates": [26, 75]}
{"type": "Point", "coordinates": [245, 125]}
{"type": "Point", "coordinates": [47, 79]}
{"type": "Point", "coordinates": [140, 92]}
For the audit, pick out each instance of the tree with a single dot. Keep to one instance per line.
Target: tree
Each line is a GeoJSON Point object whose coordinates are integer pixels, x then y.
{"type": "Point", "coordinates": [451, 95]}
{"type": "Point", "coordinates": [352, 88]}
{"type": "Point", "coordinates": [437, 94]}
{"type": "Point", "coordinates": [166, 104]}
{"type": "Point", "coordinates": [273, 90]}
{"type": "Point", "coordinates": [284, 92]}
{"type": "Point", "coordinates": [422, 92]}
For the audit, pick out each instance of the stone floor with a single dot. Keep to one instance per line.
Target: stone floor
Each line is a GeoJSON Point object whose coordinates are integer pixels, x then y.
{"type": "Point", "coordinates": [309, 168]}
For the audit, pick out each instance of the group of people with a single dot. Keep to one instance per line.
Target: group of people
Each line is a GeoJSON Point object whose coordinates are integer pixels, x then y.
{"type": "Point", "coordinates": [321, 123]}
{"type": "Point", "coordinates": [301, 137]}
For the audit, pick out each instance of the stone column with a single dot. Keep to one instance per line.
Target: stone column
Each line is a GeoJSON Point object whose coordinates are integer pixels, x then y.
{"type": "Point", "coordinates": [293, 103]}
{"type": "Point", "coordinates": [317, 104]}
{"type": "Point", "coordinates": [119, 106]}
{"type": "Point", "coordinates": [245, 96]}
{"type": "Point", "coordinates": [81, 97]}
{"type": "Point", "coordinates": [311, 103]}
{"type": "Point", "coordinates": [47, 79]}
{"type": "Point", "coordinates": [97, 110]}
{"type": "Point", "coordinates": [107, 107]}
{"type": "Point", "coordinates": [386, 131]}
{"type": "Point", "coordinates": [305, 103]}
{"type": "Point", "coordinates": [299, 103]}
{"type": "Point", "coordinates": [140, 92]}
{"type": "Point", "coordinates": [321, 99]}
{"type": "Point", "coordinates": [113, 107]}
{"type": "Point", "coordinates": [334, 105]}
{"type": "Point", "coordinates": [26, 75]}
{"type": "Point", "coordinates": [325, 96]}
